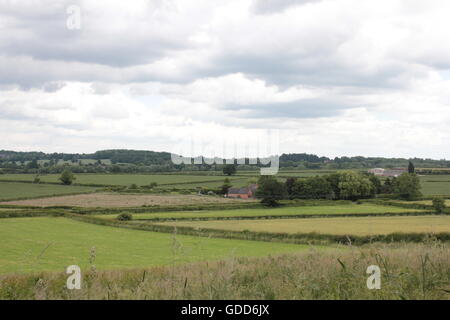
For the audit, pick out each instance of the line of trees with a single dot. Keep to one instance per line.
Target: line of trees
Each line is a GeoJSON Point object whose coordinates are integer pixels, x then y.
{"type": "Point", "coordinates": [347, 185]}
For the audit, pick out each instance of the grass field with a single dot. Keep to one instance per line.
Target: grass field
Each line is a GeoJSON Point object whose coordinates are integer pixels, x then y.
{"type": "Point", "coordinates": [408, 272]}
{"type": "Point", "coordinates": [115, 200]}
{"type": "Point", "coordinates": [425, 202]}
{"type": "Point", "coordinates": [435, 185]}
{"type": "Point", "coordinates": [121, 179]}
{"type": "Point", "coordinates": [236, 182]}
{"type": "Point", "coordinates": [52, 244]}
{"type": "Point", "coordinates": [337, 226]}
{"type": "Point", "coordinates": [286, 211]}
{"type": "Point", "coordinates": [12, 190]}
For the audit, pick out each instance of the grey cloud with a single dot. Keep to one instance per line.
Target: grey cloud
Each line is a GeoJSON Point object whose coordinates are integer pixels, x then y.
{"type": "Point", "coordinates": [305, 108]}
{"type": "Point", "coordinates": [274, 6]}
{"type": "Point", "coordinates": [42, 34]}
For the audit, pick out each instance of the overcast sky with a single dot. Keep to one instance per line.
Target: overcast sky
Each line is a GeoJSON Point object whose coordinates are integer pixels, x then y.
{"type": "Point", "coordinates": [335, 77]}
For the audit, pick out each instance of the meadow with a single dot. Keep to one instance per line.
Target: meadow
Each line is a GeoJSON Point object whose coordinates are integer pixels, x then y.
{"type": "Point", "coordinates": [121, 179]}
{"type": "Point", "coordinates": [435, 185]}
{"type": "Point", "coordinates": [241, 253]}
{"type": "Point", "coordinates": [18, 190]}
{"type": "Point", "coordinates": [116, 200]}
{"type": "Point", "coordinates": [408, 272]}
{"type": "Point", "coordinates": [268, 212]}
{"type": "Point", "coordinates": [359, 226]}
{"type": "Point", "coordinates": [52, 244]}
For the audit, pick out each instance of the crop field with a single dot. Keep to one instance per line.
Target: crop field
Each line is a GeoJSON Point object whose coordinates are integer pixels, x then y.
{"type": "Point", "coordinates": [336, 226]}
{"type": "Point", "coordinates": [115, 200]}
{"type": "Point", "coordinates": [13, 190]}
{"type": "Point", "coordinates": [121, 179]}
{"type": "Point", "coordinates": [424, 202]}
{"type": "Point", "coordinates": [286, 211]}
{"type": "Point", "coordinates": [236, 182]}
{"type": "Point", "coordinates": [52, 244]}
{"type": "Point", "coordinates": [435, 185]}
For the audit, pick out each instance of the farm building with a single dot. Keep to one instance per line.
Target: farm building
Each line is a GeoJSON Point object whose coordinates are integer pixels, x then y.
{"type": "Point", "coordinates": [243, 193]}
{"type": "Point", "coordinates": [395, 172]}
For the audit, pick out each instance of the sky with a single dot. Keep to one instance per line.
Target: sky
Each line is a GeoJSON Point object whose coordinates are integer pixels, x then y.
{"type": "Point", "coordinates": [329, 77]}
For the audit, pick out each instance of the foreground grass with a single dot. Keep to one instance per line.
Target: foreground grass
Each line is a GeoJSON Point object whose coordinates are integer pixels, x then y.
{"type": "Point", "coordinates": [407, 272]}
{"type": "Point", "coordinates": [359, 226]}
{"type": "Point", "coordinates": [52, 244]}
{"type": "Point", "coordinates": [12, 190]}
{"type": "Point", "coordinates": [286, 211]}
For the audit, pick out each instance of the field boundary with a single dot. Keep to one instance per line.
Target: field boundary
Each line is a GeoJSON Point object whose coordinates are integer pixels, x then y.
{"type": "Point", "coordinates": [295, 238]}
{"type": "Point", "coordinates": [304, 216]}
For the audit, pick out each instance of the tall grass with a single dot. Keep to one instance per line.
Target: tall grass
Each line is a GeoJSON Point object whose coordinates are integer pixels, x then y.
{"type": "Point", "coordinates": [408, 271]}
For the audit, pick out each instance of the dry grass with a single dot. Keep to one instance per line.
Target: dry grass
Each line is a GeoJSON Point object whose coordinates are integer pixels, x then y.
{"type": "Point", "coordinates": [359, 226]}
{"type": "Point", "coordinates": [110, 200]}
{"type": "Point", "coordinates": [407, 272]}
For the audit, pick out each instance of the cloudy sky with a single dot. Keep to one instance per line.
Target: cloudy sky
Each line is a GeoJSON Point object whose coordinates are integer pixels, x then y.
{"type": "Point", "coordinates": [331, 77]}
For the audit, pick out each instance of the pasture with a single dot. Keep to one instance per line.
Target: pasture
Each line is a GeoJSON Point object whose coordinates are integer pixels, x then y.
{"type": "Point", "coordinates": [266, 212]}
{"type": "Point", "coordinates": [122, 179]}
{"type": "Point", "coordinates": [52, 244]}
{"type": "Point", "coordinates": [18, 190]}
{"type": "Point", "coordinates": [435, 185]}
{"type": "Point", "coordinates": [309, 274]}
{"type": "Point", "coordinates": [359, 226]}
{"type": "Point", "coordinates": [115, 200]}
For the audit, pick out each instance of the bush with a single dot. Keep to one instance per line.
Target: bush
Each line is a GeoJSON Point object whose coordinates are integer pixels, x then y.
{"type": "Point", "coordinates": [125, 217]}
{"type": "Point", "coordinates": [67, 177]}
{"type": "Point", "coordinates": [439, 205]}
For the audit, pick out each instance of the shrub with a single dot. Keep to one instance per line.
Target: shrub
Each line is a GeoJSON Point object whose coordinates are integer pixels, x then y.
{"type": "Point", "coordinates": [439, 205]}
{"type": "Point", "coordinates": [125, 217]}
{"type": "Point", "coordinates": [67, 177]}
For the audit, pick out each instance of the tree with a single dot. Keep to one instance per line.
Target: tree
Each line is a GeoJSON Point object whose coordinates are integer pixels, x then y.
{"type": "Point", "coordinates": [411, 168]}
{"type": "Point", "coordinates": [226, 186]}
{"type": "Point", "coordinates": [33, 164]}
{"type": "Point", "coordinates": [229, 169]}
{"type": "Point", "coordinates": [407, 186]}
{"type": "Point", "coordinates": [67, 177]}
{"type": "Point", "coordinates": [312, 188]}
{"type": "Point", "coordinates": [439, 205]}
{"type": "Point", "coordinates": [290, 182]}
{"type": "Point", "coordinates": [376, 183]}
{"type": "Point", "coordinates": [388, 186]}
{"type": "Point", "coordinates": [353, 186]}
{"type": "Point", "coordinates": [270, 191]}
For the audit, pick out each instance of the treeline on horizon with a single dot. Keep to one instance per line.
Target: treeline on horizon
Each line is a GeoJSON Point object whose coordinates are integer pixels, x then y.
{"type": "Point", "coordinates": [133, 161]}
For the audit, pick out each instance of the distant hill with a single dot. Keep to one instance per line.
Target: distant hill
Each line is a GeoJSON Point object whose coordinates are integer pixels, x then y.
{"type": "Point", "coordinates": [162, 160]}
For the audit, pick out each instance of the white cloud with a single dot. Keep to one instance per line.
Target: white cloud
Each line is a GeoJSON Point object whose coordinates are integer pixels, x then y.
{"type": "Point", "coordinates": [337, 77]}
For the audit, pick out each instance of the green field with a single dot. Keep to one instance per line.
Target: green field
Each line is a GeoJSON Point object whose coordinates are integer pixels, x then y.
{"type": "Point", "coordinates": [338, 226]}
{"type": "Point", "coordinates": [122, 179]}
{"type": "Point", "coordinates": [52, 244]}
{"type": "Point", "coordinates": [286, 211]}
{"type": "Point", "coordinates": [435, 185]}
{"type": "Point", "coordinates": [13, 190]}
{"type": "Point", "coordinates": [424, 202]}
{"type": "Point", "coordinates": [236, 182]}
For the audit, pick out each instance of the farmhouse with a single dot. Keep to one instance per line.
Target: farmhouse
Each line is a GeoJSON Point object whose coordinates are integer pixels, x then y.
{"type": "Point", "coordinates": [395, 172]}
{"type": "Point", "coordinates": [243, 193]}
